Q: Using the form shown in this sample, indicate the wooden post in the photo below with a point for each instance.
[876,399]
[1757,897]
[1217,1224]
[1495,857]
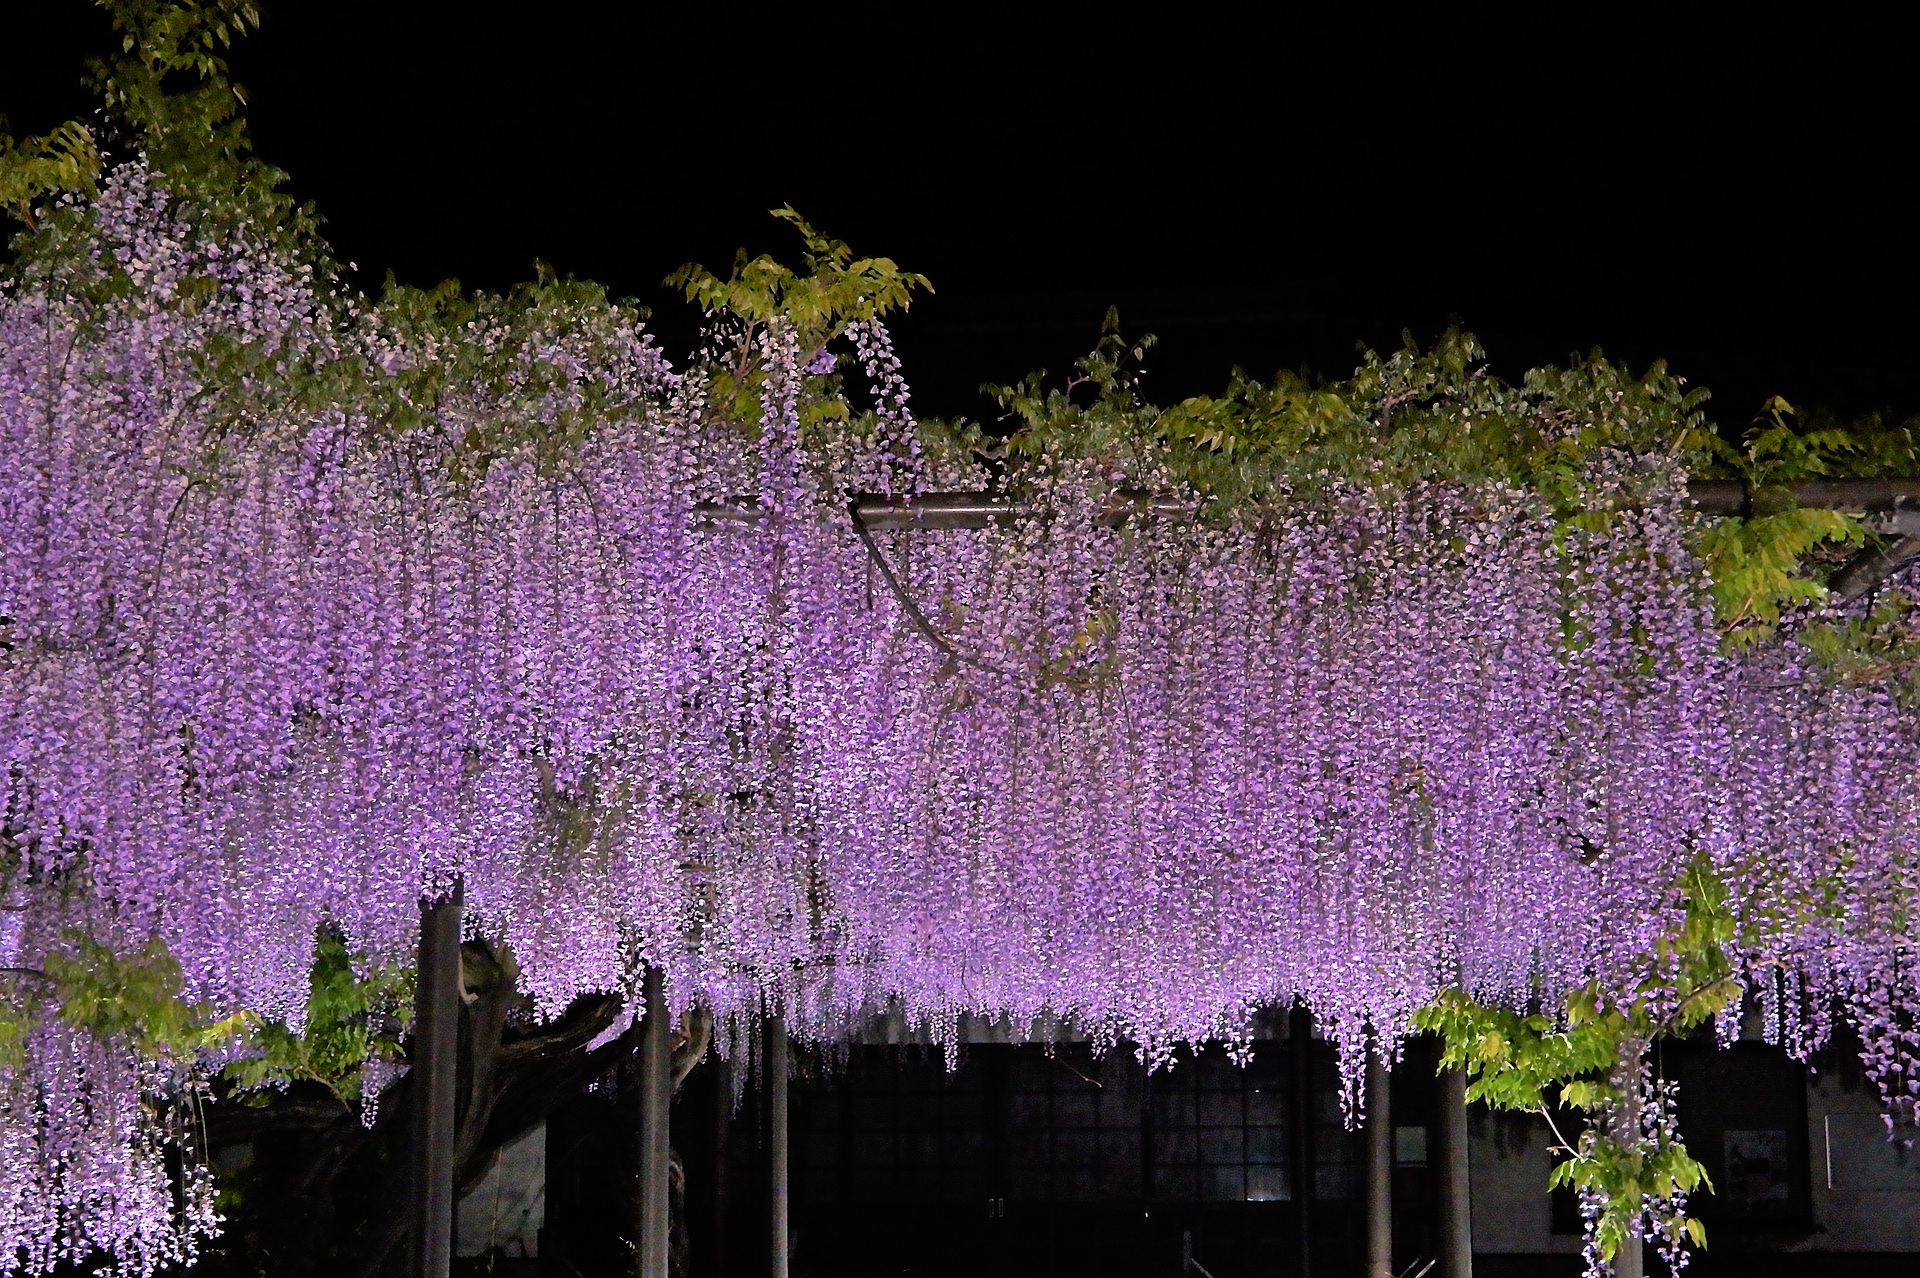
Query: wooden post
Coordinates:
[1456,1189]
[436,1056]
[651,1224]
[776,1076]
[1300,1065]
[1379,1167]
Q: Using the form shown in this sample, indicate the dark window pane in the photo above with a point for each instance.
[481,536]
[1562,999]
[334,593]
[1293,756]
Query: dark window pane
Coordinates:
[1214,1072]
[879,1184]
[1027,1109]
[1074,1148]
[1171,1110]
[1223,1184]
[1219,1109]
[920,1149]
[1027,1073]
[965,1109]
[1120,1075]
[1119,1175]
[872,1113]
[1028,1182]
[1268,1072]
[1074,1111]
[1267,1184]
[1222,1145]
[1175,1184]
[1267,1105]
[1266,1144]
[917,1184]
[963,1146]
[1175,1146]
[1074,1184]
[819,1184]
[964,1183]
[1120,1147]
[1027,1145]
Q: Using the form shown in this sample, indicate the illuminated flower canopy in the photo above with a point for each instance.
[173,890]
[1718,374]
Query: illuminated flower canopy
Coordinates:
[312,604]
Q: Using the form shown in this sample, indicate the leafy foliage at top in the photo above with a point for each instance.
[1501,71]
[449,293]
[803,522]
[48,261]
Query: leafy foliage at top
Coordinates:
[1410,416]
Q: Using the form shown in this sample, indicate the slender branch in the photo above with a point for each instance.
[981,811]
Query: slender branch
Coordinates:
[912,609]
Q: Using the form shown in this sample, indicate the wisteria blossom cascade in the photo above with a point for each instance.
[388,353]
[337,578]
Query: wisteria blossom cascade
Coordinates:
[272,662]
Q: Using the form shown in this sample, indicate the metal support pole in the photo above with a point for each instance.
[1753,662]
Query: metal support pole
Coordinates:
[656,1099]
[1456,1186]
[1631,1260]
[1300,1065]
[1379,1167]
[1629,1075]
[436,1056]
[722,1125]
[776,1076]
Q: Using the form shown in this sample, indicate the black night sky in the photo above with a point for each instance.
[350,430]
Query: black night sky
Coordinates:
[1734,194]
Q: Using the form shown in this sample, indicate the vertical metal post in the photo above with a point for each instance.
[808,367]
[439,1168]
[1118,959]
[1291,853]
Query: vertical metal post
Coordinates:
[436,1055]
[1631,1260]
[1456,1185]
[656,1100]
[1379,1167]
[722,1126]
[1300,1065]
[776,1075]
[1629,1074]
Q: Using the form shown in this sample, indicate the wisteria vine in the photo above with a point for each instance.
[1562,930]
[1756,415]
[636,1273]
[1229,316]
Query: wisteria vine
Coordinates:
[310,603]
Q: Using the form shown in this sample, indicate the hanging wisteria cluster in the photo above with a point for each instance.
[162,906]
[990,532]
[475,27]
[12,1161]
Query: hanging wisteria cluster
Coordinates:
[289,642]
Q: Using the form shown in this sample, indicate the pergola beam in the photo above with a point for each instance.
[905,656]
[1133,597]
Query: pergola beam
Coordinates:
[950,510]
[1892,505]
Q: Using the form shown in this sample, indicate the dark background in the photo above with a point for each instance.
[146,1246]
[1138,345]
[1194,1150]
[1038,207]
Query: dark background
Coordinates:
[1730,190]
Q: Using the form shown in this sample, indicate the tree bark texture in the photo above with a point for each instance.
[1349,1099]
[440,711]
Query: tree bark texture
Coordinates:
[330,1196]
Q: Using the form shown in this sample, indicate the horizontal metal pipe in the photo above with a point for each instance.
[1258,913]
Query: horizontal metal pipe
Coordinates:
[1736,497]
[986,510]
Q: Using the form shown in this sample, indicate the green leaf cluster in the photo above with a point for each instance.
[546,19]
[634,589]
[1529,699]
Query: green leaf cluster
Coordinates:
[1777,559]
[836,288]
[135,998]
[1415,415]
[63,159]
[352,1016]
[355,1012]
[1588,1058]
[816,306]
